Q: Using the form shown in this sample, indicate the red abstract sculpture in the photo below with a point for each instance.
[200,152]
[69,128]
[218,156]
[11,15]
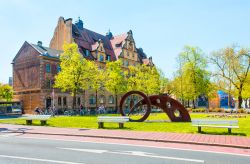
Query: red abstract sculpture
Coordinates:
[175,110]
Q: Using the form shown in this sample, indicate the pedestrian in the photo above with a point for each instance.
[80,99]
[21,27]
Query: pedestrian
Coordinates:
[37,110]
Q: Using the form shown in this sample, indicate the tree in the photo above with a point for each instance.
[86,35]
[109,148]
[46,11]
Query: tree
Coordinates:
[192,75]
[74,71]
[115,82]
[6,92]
[97,82]
[233,66]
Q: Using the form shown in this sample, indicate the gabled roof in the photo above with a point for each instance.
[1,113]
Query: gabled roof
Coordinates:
[46,51]
[88,39]
[117,43]
[43,51]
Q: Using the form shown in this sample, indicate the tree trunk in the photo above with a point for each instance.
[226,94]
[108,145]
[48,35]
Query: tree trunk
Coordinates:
[188,104]
[84,100]
[248,102]
[194,104]
[246,106]
[116,103]
[74,100]
[240,96]
[96,105]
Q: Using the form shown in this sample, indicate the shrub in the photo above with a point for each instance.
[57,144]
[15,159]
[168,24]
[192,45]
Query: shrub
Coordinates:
[241,110]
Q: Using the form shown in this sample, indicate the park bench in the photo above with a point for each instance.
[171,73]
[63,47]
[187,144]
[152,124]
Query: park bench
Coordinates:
[43,119]
[120,120]
[229,124]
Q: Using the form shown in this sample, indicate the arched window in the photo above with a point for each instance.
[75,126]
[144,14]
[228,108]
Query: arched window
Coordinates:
[101,58]
[111,99]
[92,99]
[102,99]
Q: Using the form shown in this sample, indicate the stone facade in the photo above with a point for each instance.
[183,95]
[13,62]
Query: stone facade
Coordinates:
[35,66]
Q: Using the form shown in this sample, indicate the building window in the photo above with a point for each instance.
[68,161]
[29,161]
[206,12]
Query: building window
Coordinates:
[128,54]
[48,84]
[102,99]
[78,101]
[65,101]
[58,68]
[101,58]
[48,68]
[126,63]
[111,99]
[92,100]
[59,101]
[87,53]
[133,55]
[108,57]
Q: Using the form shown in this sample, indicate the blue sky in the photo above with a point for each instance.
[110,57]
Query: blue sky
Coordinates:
[160,27]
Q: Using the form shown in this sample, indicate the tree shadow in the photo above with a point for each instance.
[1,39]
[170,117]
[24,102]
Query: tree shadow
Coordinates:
[115,128]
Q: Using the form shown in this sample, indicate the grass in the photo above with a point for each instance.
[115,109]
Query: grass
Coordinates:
[150,125]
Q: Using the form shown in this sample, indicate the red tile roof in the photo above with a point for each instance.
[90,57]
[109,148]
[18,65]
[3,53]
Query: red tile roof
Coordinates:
[88,40]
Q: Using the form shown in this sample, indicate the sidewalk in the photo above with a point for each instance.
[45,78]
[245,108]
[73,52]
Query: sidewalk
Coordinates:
[200,139]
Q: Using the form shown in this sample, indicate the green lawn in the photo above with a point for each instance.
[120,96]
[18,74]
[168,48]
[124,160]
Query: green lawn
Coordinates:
[91,122]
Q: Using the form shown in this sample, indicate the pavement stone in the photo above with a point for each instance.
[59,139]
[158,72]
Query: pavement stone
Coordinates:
[199,139]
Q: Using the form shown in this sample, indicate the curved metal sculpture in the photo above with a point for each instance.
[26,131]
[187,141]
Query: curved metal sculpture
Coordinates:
[175,110]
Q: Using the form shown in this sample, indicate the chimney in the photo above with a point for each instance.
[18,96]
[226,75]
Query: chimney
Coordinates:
[40,43]
[79,23]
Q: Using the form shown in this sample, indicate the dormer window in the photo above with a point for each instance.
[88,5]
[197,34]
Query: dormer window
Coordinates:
[58,68]
[118,44]
[108,57]
[87,53]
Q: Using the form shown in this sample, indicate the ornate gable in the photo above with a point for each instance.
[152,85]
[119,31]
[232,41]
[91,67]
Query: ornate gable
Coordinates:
[129,42]
[101,46]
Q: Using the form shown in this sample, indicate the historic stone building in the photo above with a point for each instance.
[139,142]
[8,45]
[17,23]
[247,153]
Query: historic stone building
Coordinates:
[35,65]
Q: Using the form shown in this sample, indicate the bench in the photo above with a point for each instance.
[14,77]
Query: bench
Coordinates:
[43,119]
[229,124]
[120,120]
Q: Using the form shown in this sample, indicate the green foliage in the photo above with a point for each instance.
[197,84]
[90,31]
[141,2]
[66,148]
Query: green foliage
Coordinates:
[144,78]
[115,81]
[246,88]
[6,92]
[192,78]
[115,78]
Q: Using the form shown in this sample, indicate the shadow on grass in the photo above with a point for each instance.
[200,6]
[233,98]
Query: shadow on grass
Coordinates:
[115,128]
[223,133]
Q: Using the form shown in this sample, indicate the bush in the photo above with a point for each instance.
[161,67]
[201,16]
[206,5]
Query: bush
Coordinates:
[241,110]
[199,110]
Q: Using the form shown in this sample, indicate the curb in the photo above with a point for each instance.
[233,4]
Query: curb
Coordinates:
[136,139]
